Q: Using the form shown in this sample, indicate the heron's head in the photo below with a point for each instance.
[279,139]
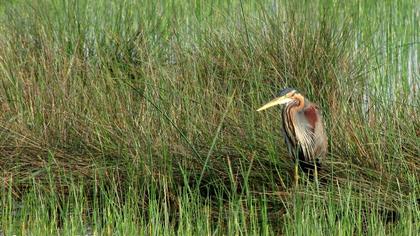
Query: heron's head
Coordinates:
[285,96]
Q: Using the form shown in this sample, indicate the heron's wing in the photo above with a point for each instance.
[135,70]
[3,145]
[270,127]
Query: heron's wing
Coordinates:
[315,128]
[310,132]
[311,116]
[321,140]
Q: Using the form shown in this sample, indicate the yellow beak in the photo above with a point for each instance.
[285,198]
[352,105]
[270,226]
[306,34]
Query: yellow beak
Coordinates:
[275,101]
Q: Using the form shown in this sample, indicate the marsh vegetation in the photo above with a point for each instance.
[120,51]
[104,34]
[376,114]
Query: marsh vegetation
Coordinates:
[138,117]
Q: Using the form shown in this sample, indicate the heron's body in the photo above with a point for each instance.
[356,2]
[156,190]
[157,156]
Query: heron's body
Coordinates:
[306,141]
[303,128]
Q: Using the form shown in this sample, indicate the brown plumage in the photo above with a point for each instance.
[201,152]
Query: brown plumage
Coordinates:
[303,128]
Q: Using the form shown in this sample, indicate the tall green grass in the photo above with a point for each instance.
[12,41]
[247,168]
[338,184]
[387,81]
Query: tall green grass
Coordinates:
[138,117]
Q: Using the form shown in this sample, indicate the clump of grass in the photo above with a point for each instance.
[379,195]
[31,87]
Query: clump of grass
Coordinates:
[119,120]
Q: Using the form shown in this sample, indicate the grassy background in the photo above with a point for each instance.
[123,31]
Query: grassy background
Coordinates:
[138,117]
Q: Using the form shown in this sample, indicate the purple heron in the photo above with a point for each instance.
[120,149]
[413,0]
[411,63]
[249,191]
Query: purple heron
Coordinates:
[303,130]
